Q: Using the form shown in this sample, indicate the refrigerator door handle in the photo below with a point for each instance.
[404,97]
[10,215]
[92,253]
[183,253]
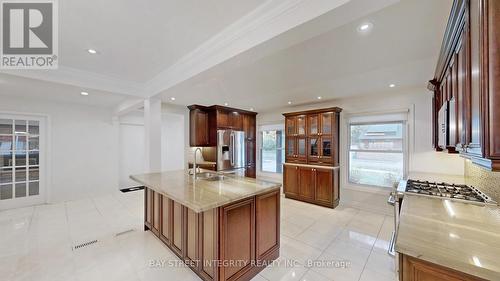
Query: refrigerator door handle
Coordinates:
[231,145]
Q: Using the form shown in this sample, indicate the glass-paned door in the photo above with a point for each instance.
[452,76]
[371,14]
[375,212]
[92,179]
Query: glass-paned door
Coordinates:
[20,165]
[301,125]
[313,125]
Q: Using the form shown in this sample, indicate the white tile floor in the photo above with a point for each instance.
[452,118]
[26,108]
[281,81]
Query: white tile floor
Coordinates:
[36,243]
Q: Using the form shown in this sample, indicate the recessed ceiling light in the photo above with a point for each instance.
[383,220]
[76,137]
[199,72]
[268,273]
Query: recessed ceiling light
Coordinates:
[392,85]
[365,27]
[172,98]
[84,93]
[92,51]
[289,102]
[226,104]
[319,98]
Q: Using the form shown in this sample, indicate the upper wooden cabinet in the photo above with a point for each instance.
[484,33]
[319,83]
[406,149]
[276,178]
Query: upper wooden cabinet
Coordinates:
[312,136]
[467,80]
[249,127]
[199,130]
[296,125]
[204,121]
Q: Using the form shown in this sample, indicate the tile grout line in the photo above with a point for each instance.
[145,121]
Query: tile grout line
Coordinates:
[371,250]
[324,250]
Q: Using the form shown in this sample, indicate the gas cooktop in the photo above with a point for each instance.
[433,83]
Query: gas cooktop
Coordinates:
[446,190]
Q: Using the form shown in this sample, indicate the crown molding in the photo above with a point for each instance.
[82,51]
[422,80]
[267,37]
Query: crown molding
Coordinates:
[267,21]
[83,79]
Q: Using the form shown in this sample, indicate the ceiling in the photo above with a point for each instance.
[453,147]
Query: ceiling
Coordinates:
[138,39]
[319,53]
[26,88]
[401,49]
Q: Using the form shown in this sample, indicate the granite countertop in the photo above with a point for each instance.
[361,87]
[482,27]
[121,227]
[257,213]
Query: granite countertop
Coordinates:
[201,195]
[460,236]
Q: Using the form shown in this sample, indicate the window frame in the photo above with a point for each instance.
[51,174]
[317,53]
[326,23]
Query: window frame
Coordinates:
[403,150]
[270,127]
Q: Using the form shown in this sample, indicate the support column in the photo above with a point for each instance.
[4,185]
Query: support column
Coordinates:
[152,129]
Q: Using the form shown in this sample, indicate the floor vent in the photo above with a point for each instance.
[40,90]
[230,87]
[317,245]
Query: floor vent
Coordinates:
[84,244]
[124,232]
[130,189]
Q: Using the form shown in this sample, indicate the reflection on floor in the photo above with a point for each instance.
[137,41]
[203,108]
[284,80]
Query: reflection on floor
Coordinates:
[317,243]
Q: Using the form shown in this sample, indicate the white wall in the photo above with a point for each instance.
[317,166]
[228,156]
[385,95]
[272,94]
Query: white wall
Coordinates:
[83,141]
[174,130]
[173,142]
[132,147]
[422,158]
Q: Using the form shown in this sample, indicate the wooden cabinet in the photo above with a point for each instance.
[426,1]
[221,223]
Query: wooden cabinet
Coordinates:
[247,230]
[307,181]
[323,188]
[267,222]
[199,129]
[467,77]
[296,149]
[165,229]
[291,180]
[315,139]
[312,184]
[312,138]
[206,120]
[229,119]
[249,127]
[296,125]
[413,269]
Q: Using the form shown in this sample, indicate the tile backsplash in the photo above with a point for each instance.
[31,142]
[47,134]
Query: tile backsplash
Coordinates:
[486,181]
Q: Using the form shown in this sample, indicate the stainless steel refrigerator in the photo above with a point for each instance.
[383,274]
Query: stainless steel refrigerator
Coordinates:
[230,150]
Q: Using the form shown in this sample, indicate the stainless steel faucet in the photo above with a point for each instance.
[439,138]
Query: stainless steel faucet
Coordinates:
[194,164]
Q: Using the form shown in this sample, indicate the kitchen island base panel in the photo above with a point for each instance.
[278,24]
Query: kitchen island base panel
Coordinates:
[232,242]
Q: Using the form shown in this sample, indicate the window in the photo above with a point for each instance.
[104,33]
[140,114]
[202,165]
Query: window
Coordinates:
[19,158]
[377,153]
[272,152]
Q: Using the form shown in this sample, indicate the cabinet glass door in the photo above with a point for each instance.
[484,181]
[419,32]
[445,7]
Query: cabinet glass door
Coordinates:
[313,152]
[301,125]
[290,147]
[326,123]
[301,148]
[326,150]
[290,126]
[312,124]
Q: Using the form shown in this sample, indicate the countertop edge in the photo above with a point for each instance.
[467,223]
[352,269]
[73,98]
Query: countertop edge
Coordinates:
[198,209]
[466,268]
[312,166]
[484,273]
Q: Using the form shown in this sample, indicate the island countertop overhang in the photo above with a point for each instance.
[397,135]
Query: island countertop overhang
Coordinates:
[202,195]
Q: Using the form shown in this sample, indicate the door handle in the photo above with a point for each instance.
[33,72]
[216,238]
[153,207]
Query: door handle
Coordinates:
[232,149]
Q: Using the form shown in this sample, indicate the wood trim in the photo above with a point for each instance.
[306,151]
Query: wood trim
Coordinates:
[492,76]
[313,111]
[413,269]
[220,107]
[450,39]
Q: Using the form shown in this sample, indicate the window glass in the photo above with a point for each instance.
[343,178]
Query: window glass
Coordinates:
[272,151]
[376,154]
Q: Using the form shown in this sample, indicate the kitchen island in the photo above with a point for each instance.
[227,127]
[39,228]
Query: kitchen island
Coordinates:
[223,228]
